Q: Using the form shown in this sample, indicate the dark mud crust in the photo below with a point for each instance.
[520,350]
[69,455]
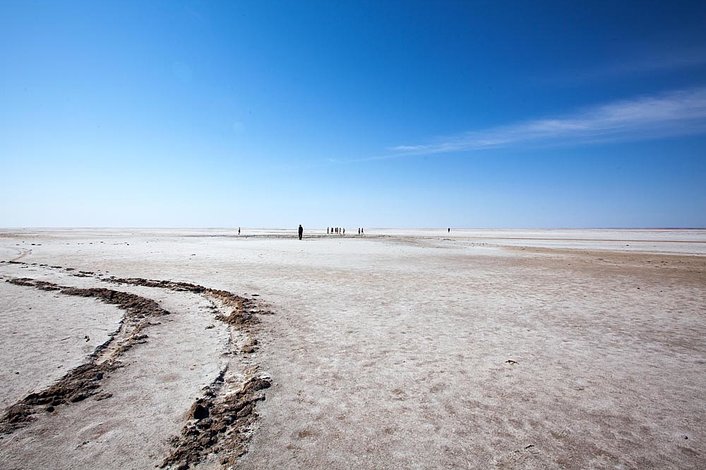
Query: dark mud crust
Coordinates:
[242,315]
[77,385]
[85,380]
[244,309]
[219,424]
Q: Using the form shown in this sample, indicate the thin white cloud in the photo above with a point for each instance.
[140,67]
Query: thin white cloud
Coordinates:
[637,64]
[671,114]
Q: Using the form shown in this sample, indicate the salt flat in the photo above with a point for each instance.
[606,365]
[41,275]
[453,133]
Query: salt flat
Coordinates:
[399,349]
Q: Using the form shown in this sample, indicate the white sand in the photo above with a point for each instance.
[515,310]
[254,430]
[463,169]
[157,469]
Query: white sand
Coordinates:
[390,350]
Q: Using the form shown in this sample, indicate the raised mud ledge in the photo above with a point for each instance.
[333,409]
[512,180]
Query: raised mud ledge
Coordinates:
[220,421]
[84,380]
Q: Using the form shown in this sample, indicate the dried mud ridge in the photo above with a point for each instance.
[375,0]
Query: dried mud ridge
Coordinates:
[219,424]
[244,309]
[220,421]
[85,380]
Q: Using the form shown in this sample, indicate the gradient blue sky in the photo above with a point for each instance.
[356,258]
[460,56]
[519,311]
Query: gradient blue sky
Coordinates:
[379,113]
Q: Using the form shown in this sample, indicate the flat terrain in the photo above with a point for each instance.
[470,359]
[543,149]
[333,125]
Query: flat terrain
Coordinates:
[399,349]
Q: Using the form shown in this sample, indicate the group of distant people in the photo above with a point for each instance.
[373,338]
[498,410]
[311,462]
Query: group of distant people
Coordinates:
[341,231]
[335,231]
[329,231]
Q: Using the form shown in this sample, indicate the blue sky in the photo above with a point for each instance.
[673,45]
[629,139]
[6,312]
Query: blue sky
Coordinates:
[377,114]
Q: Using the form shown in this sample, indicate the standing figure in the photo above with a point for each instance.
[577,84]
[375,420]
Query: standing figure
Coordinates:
[301,231]
[238,231]
[448,230]
[344,231]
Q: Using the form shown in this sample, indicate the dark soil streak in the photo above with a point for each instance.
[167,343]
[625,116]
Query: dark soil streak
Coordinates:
[219,423]
[244,309]
[84,380]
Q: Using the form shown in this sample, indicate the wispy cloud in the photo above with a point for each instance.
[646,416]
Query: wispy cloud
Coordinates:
[648,117]
[647,63]
[667,63]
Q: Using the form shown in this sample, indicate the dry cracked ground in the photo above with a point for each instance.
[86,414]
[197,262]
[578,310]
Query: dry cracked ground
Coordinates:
[200,349]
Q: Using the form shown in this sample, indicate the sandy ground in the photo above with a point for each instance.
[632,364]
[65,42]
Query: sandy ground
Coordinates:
[400,349]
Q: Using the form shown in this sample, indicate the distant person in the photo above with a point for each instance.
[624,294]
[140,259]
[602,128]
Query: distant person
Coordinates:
[358,230]
[344,231]
[301,231]
[238,231]
[448,230]
[362,232]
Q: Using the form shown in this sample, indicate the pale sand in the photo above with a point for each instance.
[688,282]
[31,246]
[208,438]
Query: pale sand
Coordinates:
[385,351]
